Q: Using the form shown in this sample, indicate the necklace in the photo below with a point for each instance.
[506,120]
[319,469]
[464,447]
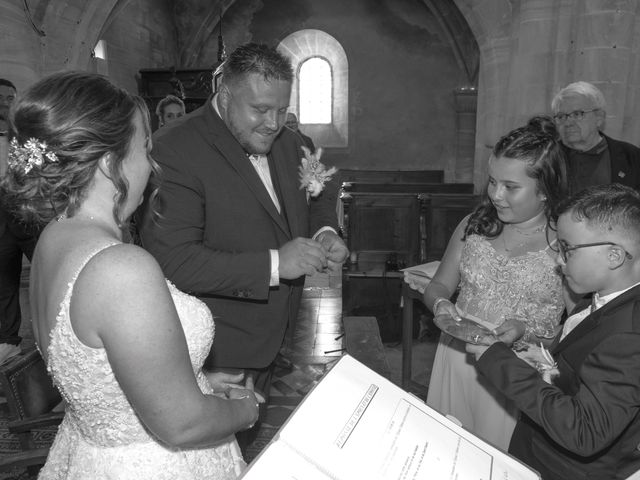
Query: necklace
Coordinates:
[63,216]
[526,235]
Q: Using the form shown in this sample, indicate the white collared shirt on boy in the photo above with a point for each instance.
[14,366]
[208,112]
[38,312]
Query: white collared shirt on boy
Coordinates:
[597,302]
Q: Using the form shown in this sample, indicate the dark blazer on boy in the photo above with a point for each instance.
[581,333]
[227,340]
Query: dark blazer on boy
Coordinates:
[587,424]
[217,225]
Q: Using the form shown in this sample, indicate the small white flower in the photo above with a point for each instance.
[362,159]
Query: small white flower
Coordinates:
[29,155]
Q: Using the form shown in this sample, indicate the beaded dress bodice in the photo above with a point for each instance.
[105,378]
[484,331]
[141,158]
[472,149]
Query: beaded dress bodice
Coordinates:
[495,287]
[101,435]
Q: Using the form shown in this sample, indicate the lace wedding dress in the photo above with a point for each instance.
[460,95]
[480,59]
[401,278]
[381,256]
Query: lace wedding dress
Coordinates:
[493,287]
[101,437]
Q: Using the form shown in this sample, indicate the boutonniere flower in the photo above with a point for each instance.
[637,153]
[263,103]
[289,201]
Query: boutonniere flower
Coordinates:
[313,173]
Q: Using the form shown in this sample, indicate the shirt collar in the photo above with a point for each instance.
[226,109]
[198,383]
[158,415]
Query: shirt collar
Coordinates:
[600,301]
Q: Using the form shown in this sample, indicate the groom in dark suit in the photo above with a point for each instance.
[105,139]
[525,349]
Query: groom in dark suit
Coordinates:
[235,228]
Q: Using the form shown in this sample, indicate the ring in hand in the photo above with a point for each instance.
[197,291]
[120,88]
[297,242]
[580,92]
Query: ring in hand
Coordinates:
[475,339]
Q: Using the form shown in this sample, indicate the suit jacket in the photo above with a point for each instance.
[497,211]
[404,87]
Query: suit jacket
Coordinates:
[217,225]
[625,162]
[587,424]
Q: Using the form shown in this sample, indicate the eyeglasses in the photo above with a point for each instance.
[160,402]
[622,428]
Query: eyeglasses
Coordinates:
[575,115]
[564,248]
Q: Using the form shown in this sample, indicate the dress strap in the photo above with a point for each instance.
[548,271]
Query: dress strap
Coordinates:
[63,309]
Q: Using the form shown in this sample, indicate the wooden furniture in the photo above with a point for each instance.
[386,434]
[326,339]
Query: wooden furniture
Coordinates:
[363,342]
[31,398]
[409,295]
[383,226]
[391,176]
[192,85]
[411,227]
[367,268]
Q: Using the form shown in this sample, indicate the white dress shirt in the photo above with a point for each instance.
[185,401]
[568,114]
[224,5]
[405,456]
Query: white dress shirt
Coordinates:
[597,302]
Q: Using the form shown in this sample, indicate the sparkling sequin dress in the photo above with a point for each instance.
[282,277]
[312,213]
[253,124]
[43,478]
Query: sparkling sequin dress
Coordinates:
[493,287]
[101,437]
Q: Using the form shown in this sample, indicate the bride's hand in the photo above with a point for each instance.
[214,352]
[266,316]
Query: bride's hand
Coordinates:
[248,384]
[222,382]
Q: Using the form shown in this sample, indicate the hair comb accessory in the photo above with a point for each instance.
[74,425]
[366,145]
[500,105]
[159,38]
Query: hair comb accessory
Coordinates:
[29,155]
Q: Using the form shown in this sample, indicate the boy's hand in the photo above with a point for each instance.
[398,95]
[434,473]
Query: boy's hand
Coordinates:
[510,331]
[477,350]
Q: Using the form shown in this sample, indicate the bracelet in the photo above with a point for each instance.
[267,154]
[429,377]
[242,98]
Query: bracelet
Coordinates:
[438,301]
[257,408]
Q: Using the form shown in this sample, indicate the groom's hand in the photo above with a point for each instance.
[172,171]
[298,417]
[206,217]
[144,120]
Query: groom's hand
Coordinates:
[337,251]
[301,256]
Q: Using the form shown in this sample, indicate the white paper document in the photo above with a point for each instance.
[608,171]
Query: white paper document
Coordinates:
[355,424]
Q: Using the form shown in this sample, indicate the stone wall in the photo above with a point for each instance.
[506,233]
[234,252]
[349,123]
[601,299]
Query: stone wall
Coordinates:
[529,49]
[138,34]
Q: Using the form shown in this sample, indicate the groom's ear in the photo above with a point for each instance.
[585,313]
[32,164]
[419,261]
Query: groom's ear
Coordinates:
[224,95]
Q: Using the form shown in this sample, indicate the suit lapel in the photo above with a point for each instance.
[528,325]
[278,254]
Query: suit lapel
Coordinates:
[593,320]
[620,168]
[218,136]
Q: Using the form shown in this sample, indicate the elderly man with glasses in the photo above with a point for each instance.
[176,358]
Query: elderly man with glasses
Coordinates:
[592,157]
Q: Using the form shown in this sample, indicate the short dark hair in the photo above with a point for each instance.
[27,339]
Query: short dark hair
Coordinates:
[7,83]
[257,58]
[606,207]
[538,145]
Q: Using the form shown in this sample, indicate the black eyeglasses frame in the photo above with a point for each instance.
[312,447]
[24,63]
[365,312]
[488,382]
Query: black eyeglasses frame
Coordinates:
[564,248]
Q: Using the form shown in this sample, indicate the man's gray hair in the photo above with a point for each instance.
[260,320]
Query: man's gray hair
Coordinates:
[584,89]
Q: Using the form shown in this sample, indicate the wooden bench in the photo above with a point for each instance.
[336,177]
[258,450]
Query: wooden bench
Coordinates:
[363,342]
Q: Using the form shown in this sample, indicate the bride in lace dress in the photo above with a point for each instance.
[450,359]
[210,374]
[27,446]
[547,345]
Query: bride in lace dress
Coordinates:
[501,259]
[123,345]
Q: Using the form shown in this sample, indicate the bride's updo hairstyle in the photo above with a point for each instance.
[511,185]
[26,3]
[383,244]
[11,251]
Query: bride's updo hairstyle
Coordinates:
[538,145]
[63,125]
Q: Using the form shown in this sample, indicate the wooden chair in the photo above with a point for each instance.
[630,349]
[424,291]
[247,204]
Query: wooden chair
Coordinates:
[33,402]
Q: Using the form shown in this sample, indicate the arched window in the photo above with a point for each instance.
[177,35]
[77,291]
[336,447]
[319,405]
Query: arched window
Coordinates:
[314,87]
[320,93]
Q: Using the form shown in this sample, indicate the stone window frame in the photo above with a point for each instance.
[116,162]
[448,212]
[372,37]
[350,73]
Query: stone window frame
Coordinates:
[308,43]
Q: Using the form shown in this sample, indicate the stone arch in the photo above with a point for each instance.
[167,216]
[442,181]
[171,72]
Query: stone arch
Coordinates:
[72,29]
[304,44]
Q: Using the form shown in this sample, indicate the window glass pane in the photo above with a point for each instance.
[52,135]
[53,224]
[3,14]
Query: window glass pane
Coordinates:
[315,91]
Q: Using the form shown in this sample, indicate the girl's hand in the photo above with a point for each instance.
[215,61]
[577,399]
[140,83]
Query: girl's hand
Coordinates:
[442,306]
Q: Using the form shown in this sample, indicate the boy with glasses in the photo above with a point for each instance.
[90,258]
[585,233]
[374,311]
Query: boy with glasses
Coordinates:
[586,423]
[592,157]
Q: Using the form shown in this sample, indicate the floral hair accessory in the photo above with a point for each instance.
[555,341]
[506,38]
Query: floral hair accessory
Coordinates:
[313,173]
[31,154]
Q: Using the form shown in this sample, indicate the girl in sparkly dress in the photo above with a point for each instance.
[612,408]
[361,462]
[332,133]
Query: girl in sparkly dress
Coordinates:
[501,259]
